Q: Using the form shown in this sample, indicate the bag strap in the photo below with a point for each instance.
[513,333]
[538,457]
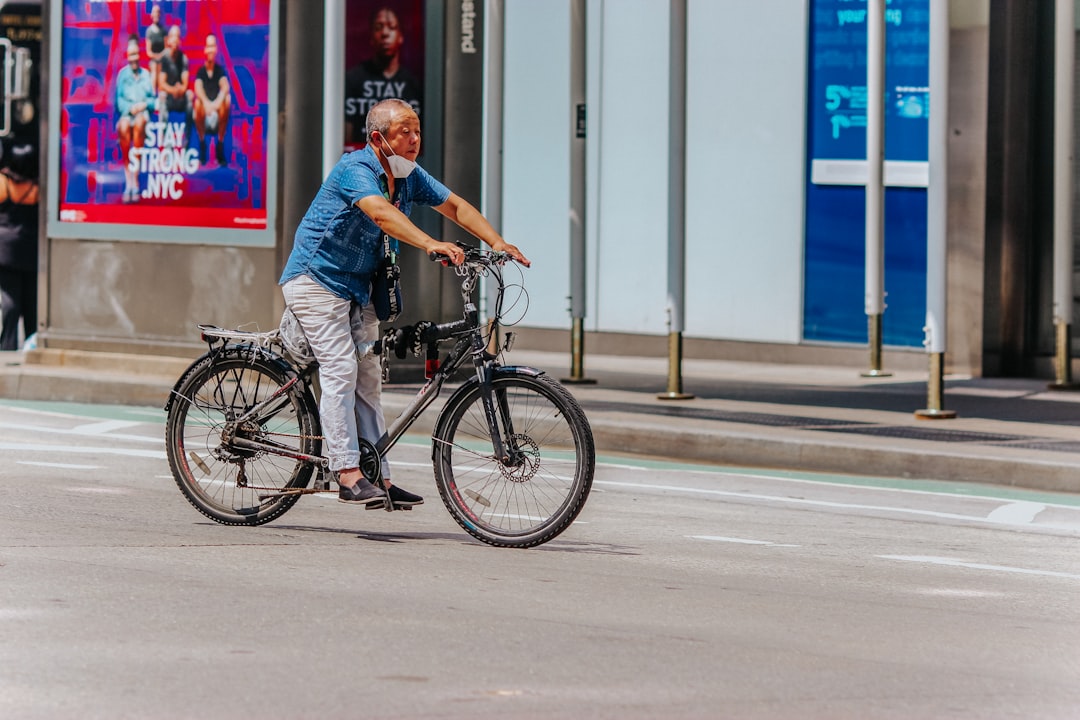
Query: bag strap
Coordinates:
[389,252]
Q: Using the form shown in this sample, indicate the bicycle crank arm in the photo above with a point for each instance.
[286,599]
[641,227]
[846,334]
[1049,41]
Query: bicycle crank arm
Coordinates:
[292,491]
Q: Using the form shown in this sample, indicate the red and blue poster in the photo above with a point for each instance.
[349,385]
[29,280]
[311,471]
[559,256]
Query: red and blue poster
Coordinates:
[165,112]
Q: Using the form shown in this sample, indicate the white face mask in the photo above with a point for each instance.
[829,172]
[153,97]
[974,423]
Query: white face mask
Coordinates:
[399,167]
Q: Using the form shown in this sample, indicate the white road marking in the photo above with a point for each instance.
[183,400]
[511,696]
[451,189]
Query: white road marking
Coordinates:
[824,483]
[66,466]
[741,541]
[1017,513]
[958,593]
[90,430]
[816,503]
[46,449]
[105,426]
[952,562]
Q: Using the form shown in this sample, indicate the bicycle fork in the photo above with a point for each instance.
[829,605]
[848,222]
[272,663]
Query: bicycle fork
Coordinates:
[500,423]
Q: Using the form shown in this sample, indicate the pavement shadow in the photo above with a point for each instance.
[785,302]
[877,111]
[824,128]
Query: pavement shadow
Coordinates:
[990,399]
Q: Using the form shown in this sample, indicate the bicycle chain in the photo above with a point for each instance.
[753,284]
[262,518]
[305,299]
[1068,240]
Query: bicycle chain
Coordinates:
[302,437]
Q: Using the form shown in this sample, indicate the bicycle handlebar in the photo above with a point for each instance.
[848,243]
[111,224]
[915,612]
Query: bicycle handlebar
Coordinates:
[473,257]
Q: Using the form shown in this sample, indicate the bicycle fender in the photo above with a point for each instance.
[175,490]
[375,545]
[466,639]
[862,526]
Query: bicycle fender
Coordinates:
[183,376]
[517,370]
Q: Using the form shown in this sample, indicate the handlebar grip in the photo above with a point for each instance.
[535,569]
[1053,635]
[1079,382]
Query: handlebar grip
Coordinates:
[433,333]
[470,254]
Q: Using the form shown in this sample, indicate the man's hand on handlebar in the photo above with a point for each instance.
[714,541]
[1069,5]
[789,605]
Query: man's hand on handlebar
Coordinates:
[444,250]
[512,251]
[456,253]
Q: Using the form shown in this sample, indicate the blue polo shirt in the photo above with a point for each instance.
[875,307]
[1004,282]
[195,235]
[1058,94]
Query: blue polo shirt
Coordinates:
[339,246]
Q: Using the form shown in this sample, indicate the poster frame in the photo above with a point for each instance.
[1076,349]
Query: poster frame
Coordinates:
[171,234]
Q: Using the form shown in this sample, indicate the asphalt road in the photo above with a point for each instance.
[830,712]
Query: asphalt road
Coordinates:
[681,592]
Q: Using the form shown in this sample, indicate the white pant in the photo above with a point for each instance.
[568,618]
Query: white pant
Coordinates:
[341,335]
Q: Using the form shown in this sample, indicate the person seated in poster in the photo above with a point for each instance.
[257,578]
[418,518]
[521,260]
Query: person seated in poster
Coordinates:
[173,93]
[378,78]
[155,43]
[213,99]
[134,101]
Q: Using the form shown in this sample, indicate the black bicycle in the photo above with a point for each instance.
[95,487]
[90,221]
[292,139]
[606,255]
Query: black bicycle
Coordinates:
[512,450]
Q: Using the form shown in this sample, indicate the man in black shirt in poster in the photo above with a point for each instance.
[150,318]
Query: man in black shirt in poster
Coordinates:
[379,78]
[173,93]
[155,43]
[213,99]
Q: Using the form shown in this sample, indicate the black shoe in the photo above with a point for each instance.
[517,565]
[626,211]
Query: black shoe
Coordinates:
[403,498]
[202,152]
[219,151]
[362,493]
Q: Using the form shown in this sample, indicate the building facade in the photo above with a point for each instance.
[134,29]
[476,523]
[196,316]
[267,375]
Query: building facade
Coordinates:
[775,105]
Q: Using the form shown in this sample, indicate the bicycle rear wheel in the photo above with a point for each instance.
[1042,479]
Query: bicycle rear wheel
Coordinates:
[535,496]
[225,482]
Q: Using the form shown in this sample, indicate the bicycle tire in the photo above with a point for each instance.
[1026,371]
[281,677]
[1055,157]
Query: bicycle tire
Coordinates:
[221,386]
[521,506]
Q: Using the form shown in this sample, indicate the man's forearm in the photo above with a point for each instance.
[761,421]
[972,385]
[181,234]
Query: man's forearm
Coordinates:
[470,219]
[394,223]
[405,231]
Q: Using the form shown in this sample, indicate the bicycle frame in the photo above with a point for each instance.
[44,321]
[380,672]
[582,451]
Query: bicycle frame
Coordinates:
[470,343]
[484,354]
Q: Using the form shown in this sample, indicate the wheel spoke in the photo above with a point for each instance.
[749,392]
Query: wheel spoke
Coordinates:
[538,493]
[223,480]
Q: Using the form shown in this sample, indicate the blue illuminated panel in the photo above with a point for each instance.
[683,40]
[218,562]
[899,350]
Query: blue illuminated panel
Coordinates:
[833,308]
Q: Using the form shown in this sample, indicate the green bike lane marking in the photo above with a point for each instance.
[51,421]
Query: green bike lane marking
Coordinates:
[132,413]
[156,415]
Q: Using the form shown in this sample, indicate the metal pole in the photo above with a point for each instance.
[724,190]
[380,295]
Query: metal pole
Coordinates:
[577,192]
[676,199]
[303,44]
[491,181]
[937,205]
[333,83]
[1064,41]
[875,187]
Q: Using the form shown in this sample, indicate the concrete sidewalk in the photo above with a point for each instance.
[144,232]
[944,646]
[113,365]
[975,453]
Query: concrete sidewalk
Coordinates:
[829,419]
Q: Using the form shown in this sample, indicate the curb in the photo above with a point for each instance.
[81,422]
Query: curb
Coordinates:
[134,380]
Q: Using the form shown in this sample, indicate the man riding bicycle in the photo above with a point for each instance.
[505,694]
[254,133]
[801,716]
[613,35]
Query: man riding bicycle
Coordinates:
[327,281]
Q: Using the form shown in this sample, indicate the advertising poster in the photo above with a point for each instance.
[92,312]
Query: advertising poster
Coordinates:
[834,289]
[165,112]
[384,58]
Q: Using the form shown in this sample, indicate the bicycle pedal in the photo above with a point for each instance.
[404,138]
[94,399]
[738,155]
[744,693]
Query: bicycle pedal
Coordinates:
[376,505]
[389,508]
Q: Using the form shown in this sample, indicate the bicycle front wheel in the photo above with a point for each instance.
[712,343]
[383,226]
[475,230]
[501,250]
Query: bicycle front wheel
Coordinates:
[232,485]
[538,491]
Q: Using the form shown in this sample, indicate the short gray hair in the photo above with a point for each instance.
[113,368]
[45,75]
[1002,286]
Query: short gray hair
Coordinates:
[381,115]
